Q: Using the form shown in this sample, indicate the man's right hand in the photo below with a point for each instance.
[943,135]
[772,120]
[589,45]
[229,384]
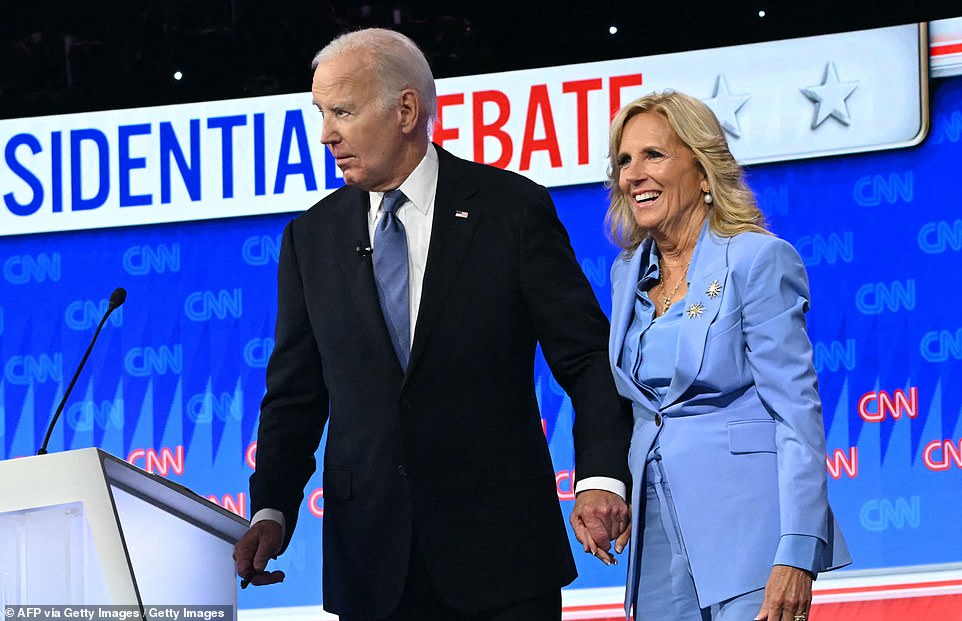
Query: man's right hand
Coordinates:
[258,545]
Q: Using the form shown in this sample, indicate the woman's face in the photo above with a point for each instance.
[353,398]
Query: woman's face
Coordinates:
[658,174]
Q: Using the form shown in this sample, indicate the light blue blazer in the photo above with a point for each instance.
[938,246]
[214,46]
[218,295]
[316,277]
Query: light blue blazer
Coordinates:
[742,438]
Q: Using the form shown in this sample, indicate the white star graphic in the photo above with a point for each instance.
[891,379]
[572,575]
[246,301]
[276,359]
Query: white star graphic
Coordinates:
[726,106]
[830,96]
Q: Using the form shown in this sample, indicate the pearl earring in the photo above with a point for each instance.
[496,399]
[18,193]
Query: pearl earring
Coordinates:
[708,198]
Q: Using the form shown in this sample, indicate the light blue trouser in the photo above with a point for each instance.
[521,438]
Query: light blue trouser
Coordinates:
[666,589]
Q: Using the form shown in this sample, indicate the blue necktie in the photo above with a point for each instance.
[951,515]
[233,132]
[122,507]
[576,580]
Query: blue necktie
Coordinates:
[391,274]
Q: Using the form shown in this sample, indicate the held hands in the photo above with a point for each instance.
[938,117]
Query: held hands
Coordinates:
[261,542]
[598,517]
[788,595]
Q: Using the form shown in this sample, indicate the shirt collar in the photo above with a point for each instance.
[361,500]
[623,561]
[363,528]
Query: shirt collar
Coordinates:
[420,186]
[650,261]
[651,257]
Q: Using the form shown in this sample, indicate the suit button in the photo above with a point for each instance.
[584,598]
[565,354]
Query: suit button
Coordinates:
[405,405]
[402,471]
[657,420]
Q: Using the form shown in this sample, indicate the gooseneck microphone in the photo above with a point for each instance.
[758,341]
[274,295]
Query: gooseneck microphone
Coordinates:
[116,299]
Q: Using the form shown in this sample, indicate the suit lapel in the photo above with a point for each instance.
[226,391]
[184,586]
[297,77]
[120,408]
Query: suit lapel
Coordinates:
[352,230]
[457,209]
[709,264]
[624,284]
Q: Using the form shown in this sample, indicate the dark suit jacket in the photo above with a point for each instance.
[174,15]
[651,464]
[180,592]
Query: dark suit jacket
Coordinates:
[453,449]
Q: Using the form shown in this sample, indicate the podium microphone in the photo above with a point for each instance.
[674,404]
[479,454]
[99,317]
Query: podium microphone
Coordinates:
[116,299]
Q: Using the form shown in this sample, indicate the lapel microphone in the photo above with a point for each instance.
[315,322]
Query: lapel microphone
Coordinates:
[362,251]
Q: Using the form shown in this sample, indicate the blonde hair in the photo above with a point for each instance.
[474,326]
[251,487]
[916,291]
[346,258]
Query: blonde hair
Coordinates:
[396,62]
[733,210]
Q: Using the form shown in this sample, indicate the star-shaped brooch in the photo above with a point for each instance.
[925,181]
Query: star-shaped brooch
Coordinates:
[714,289]
[695,310]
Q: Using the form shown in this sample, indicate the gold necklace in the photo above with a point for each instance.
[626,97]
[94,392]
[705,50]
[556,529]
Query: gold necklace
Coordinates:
[667,299]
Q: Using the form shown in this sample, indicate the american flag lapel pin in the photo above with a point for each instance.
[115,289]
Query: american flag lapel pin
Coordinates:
[460,214]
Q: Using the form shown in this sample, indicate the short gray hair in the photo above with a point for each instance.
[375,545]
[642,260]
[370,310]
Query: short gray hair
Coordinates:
[398,63]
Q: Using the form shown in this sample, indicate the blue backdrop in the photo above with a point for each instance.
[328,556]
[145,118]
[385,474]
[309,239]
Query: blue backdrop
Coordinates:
[175,382]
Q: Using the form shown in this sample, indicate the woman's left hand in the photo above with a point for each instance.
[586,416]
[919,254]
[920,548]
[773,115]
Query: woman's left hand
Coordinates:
[788,595]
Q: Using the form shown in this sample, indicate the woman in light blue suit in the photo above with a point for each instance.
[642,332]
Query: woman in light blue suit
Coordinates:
[730,508]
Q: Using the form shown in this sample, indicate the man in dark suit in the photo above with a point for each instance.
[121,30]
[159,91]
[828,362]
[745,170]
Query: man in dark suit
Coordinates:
[410,303]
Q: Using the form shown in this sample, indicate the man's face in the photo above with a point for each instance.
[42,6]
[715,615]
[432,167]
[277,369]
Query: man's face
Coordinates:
[363,135]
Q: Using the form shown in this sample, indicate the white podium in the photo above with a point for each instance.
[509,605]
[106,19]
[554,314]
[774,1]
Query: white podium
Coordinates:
[86,528]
